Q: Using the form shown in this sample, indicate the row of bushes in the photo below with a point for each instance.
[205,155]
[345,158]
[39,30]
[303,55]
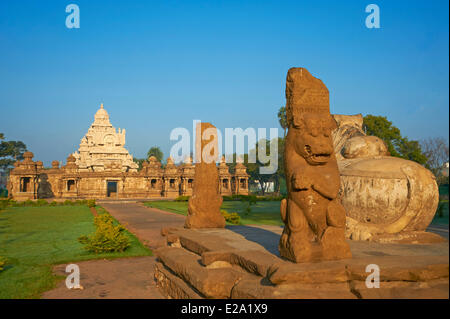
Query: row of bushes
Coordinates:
[42,202]
[249,198]
[109,236]
[182,199]
[252,198]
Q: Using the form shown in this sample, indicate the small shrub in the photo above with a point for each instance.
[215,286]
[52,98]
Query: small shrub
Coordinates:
[41,202]
[28,203]
[2,262]
[90,203]
[181,199]
[68,202]
[54,203]
[107,237]
[232,218]
[13,203]
[82,202]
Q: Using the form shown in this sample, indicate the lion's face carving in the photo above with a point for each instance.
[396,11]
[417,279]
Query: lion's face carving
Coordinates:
[312,137]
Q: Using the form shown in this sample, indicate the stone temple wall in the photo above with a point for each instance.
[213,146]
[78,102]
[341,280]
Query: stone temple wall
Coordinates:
[103,168]
[30,180]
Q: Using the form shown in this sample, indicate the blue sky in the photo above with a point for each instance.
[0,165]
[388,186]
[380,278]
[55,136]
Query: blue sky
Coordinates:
[157,65]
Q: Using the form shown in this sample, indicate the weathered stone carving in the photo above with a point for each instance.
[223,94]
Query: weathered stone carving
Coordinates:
[313,215]
[350,141]
[387,199]
[204,205]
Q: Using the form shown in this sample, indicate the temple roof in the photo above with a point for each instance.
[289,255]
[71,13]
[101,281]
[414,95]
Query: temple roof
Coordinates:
[101,118]
[102,145]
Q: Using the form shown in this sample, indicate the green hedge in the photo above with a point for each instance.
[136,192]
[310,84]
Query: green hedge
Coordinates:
[108,237]
[252,198]
[182,199]
[42,202]
[232,218]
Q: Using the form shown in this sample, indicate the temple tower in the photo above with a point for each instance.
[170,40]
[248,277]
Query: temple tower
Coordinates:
[102,147]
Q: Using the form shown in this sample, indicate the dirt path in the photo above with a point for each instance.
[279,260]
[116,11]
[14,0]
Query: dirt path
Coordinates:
[123,277]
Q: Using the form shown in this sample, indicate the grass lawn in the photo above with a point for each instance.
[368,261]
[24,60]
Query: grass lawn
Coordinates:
[35,238]
[262,213]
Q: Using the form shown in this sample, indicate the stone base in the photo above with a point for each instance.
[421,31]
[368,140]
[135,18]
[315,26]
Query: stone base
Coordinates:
[413,237]
[219,263]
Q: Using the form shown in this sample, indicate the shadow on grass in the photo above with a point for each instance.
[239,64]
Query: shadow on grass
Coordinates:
[265,238]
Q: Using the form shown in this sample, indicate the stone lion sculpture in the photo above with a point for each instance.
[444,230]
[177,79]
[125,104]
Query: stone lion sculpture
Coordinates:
[313,215]
[387,199]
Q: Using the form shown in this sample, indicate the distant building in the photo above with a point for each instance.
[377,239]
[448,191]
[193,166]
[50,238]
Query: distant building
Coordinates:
[269,186]
[103,168]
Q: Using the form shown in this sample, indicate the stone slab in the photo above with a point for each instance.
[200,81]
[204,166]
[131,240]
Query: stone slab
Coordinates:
[392,268]
[435,289]
[212,283]
[173,286]
[254,289]
[406,270]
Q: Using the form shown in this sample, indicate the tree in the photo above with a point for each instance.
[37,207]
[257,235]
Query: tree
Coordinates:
[278,176]
[156,152]
[139,161]
[397,145]
[283,119]
[412,151]
[253,169]
[10,152]
[381,127]
[436,150]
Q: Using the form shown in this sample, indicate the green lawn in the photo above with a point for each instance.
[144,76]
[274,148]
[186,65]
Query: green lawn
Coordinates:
[262,213]
[35,238]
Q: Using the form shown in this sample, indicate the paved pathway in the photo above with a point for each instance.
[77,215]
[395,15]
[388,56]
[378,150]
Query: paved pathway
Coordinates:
[123,277]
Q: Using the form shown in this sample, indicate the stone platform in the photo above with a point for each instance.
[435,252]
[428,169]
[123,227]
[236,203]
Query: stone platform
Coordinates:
[242,262]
